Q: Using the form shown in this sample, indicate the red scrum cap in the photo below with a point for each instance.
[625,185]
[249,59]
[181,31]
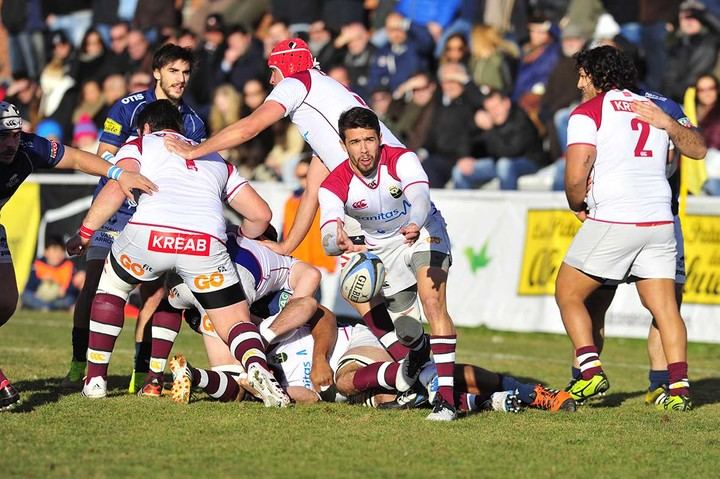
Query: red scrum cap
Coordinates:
[291,56]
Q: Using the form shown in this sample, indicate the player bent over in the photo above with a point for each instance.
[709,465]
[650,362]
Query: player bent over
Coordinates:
[386,190]
[20,155]
[182,229]
[628,228]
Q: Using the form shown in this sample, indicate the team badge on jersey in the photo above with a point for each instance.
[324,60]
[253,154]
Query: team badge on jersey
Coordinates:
[395,192]
[112,127]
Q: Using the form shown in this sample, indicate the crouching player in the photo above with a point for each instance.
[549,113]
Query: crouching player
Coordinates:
[182,228]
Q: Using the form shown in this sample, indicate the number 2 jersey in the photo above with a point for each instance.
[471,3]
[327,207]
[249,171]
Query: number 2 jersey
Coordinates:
[191,192]
[314,102]
[628,176]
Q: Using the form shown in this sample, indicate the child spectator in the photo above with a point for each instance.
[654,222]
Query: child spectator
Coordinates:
[54,282]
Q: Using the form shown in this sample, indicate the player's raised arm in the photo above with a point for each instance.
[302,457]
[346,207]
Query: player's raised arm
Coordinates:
[94,165]
[232,135]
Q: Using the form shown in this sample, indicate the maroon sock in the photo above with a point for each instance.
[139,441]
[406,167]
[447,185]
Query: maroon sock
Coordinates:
[379,322]
[166,323]
[386,375]
[219,385]
[106,321]
[589,361]
[679,384]
[443,349]
[246,345]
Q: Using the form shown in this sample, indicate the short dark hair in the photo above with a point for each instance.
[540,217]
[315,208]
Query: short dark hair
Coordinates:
[161,115]
[55,240]
[170,53]
[608,68]
[358,117]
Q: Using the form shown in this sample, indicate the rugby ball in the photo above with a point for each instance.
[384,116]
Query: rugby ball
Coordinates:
[362,277]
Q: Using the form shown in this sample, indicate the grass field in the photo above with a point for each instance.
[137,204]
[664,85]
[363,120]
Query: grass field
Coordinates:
[125,436]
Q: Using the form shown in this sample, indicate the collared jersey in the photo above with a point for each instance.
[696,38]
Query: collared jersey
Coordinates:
[191,192]
[33,153]
[314,103]
[628,176]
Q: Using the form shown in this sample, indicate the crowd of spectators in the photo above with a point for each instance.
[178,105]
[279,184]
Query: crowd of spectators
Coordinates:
[481,89]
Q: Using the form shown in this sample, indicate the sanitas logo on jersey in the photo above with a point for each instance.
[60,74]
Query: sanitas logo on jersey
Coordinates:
[386,215]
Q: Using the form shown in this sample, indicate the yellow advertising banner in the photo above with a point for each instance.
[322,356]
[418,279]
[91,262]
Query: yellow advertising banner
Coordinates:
[702,259]
[21,218]
[547,237]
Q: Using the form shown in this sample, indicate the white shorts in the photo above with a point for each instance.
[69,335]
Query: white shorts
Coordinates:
[349,338]
[4,249]
[618,251]
[200,259]
[396,255]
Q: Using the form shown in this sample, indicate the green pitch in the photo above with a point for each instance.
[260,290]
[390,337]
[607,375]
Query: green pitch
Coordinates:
[125,436]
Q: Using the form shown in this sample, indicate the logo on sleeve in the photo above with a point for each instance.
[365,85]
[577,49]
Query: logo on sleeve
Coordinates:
[53,149]
[395,192]
[112,127]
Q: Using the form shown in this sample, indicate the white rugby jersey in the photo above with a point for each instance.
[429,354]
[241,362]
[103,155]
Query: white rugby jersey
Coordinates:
[314,102]
[379,205]
[628,176]
[270,271]
[190,192]
[291,358]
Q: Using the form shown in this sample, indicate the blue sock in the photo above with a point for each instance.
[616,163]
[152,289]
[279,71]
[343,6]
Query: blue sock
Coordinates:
[576,374]
[658,378]
[525,392]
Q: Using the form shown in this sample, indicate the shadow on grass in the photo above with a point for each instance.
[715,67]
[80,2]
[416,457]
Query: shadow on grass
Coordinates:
[705,391]
[41,392]
[616,399]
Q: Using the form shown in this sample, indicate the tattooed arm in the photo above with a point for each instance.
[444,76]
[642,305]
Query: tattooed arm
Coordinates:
[580,158]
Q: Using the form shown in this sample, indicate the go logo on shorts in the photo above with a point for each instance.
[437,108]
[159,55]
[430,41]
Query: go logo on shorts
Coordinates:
[136,268]
[205,281]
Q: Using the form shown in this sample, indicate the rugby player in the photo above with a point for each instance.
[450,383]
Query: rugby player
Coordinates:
[20,155]
[172,66]
[628,228]
[181,228]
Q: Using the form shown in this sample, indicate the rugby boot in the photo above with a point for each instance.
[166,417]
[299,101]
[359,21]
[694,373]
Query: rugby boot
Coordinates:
[666,402]
[95,388]
[73,381]
[552,399]
[151,389]
[583,389]
[651,396]
[182,379]
[9,396]
[265,384]
[416,360]
[504,401]
[442,410]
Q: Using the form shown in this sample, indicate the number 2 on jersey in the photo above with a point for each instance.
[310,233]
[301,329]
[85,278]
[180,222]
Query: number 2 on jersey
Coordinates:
[640,151]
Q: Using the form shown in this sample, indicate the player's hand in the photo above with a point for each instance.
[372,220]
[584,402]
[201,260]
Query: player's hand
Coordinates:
[411,232]
[649,112]
[343,241]
[278,247]
[321,375]
[77,245]
[466,165]
[130,180]
[180,147]
[581,215]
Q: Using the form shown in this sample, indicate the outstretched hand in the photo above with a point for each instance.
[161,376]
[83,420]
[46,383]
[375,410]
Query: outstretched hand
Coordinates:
[77,245]
[180,147]
[130,180]
[344,242]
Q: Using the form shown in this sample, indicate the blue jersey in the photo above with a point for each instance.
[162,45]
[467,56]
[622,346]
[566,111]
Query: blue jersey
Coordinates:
[675,111]
[33,153]
[120,125]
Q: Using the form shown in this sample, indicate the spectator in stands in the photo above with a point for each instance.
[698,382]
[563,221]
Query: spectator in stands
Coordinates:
[511,144]
[493,59]
[155,17]
[118,60]
[52,285]
[242,60]
[50,130]
[276,32]
[340,74]
[296,15]
[287,150]
[139,52]
[59,92]
[73,17]
[655,15]
[354,40]
[25,94]
[708,117]
[412,110]
[187,39]
[225,110]
[408,51]
[85,134]
[380,101]
[105,15]
[91,104]
[539,56]
[321,45]
[209,56]
[449,137]
[139,81]
[113,89]
[91,58]
[434,16]
[254,152]
[456,50]
[25,26]
[694,49]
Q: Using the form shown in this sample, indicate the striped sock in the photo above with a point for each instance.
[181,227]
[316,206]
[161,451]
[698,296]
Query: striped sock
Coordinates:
[443,349]
[379,322]
[246,345]
[467,402]
[106,321]
[166,323]
[679,384]
[589,361]
[219,385]
[388,375]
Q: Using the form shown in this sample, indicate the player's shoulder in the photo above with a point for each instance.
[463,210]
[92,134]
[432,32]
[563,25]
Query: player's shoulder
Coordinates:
[589,106]
[37,146]
[133,99]
[338,181]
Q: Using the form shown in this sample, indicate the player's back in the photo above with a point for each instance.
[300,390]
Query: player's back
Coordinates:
[314,102]
[190,192]
[628,176]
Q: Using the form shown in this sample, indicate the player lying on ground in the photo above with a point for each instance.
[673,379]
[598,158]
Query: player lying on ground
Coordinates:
[20,155]
[181,228]
[362,370]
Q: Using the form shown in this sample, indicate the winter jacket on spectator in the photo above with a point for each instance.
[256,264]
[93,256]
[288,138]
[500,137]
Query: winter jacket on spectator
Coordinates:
[535,68]
[393,64]
[517,137]
[423,12]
